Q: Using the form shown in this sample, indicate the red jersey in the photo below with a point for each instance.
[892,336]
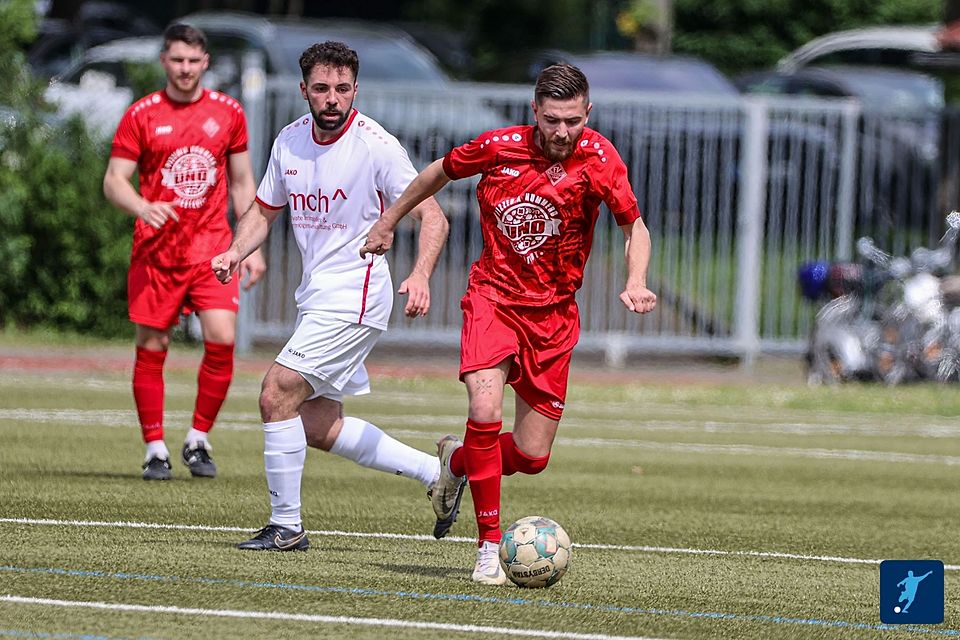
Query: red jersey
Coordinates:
[181,153]
[537,216]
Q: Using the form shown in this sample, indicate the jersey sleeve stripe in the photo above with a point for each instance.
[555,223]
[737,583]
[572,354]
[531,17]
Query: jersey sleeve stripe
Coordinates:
[267,205]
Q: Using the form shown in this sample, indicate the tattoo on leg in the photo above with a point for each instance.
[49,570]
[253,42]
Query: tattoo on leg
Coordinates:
[484,386]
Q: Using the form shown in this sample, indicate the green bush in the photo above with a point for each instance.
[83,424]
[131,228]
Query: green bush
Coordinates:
[65,248]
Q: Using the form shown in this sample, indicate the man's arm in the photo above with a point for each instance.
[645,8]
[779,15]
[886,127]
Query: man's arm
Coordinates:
[250,233]
[243,192]
[119,190]
[427,183]
[636,297]
[433,233]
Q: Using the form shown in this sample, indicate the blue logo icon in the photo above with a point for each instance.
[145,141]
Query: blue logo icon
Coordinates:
[911,592]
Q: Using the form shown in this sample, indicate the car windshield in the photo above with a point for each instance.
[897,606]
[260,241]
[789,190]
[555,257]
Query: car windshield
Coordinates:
[643,73]
[381,58]
[901,90]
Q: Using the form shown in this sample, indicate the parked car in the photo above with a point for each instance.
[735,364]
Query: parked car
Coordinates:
[387,57]
[892,46]
[916,97]
[61,43]
[675,74]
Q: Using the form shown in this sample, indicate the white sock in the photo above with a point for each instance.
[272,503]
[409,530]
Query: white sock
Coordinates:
[157,449]
[284,451]
[370,447]
[195,435]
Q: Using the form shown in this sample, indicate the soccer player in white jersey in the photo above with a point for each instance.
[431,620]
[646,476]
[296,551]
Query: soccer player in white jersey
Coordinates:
[336,169]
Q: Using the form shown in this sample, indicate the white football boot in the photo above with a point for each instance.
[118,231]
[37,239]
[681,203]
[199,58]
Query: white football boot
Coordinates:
[488,569]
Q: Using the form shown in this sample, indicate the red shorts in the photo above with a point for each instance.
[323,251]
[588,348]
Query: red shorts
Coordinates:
[540,340]
[156,296]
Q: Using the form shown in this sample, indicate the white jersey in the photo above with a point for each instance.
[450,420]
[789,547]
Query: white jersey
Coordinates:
[336,190]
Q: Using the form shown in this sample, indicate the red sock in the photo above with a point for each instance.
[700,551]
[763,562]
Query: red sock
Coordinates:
[481,451]
[512,459]
[515,460]
[148,392]
[213,381]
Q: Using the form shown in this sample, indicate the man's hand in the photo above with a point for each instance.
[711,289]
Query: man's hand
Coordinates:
[379,239]
[225,265]
[638,298]
[156,214]
[251,269]
[417,286]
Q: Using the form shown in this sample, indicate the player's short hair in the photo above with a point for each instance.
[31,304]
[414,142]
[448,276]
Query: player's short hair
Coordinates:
[561,82]
[178,32]
[329,54]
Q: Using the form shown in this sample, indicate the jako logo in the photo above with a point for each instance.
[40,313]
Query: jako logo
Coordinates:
[510,172]
[164,130]
[290,172]
[319,201]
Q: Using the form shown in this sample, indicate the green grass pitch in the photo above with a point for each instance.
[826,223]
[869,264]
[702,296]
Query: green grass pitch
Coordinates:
[748,509]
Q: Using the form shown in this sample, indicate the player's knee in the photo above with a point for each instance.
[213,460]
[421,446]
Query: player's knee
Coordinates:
[274,403]
[486,412]
[532,466]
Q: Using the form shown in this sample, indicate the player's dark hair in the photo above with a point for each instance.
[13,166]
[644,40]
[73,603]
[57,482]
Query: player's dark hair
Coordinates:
[329,54]
[561,82]
[178,32]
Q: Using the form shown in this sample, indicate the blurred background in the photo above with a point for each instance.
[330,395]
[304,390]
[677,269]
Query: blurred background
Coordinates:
[758,135]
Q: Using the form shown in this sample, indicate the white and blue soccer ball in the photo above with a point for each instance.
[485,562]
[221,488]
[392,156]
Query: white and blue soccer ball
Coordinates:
[535,552]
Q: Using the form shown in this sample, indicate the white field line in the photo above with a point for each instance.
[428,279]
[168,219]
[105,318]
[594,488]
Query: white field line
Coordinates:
[461,539]
[122,418]
[577,409]
[305,617]
[244,421]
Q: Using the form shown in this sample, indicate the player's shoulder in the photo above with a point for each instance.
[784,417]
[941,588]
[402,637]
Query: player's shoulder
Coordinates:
[369,130]
[506,137]
[295,129]
[221,101]
[151,102]
[594,146]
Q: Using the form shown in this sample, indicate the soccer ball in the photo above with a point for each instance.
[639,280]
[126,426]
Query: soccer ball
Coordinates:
[535,552]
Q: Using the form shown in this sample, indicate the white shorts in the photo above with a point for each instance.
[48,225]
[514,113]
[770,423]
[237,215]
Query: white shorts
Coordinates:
[329,354]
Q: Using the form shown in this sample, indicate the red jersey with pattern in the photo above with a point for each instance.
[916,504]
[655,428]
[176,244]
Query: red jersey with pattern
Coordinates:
[537,216]
[181,151]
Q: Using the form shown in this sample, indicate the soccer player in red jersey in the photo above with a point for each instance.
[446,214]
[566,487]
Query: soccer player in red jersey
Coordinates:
[540,195]
[189,145]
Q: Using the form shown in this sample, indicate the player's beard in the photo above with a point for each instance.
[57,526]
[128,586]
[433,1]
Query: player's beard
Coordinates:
[554,149]
[330,125]
[186,83]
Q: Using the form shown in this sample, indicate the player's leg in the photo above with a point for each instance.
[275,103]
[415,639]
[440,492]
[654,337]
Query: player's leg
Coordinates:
[148,394]
[364,443]
[541,390]
[331,356]
[284,452]
[154,298]
[216,305]
[527,449]
[481,457]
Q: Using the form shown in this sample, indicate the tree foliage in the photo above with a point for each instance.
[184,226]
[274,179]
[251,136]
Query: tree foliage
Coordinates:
[742,34]
[64,248]
[734,34]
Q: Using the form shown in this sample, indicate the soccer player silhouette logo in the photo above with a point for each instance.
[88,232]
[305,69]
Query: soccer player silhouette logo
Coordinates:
[909,592]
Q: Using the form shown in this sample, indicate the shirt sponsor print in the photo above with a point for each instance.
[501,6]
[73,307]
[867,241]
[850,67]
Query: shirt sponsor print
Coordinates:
[190,172]
[527,222]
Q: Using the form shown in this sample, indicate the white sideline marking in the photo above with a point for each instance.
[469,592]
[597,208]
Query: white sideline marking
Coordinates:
[422,537]
[250,421]
[305,617]
[238,422]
